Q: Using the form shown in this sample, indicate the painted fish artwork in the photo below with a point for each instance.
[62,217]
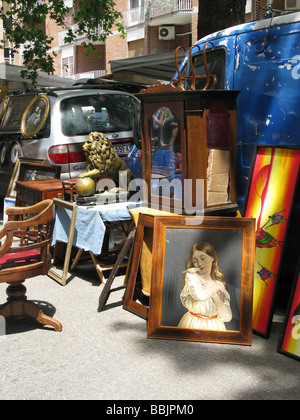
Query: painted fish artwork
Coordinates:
[270,199]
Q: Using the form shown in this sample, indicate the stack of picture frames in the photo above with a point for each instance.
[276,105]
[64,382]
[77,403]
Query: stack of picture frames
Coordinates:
[221,267]
[270,200]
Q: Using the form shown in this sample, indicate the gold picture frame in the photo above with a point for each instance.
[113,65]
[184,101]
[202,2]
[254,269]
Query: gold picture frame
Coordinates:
[35,115]
[3,105]
[134,299]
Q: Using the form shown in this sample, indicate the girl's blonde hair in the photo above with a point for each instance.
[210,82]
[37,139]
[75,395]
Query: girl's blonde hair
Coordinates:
[207,248]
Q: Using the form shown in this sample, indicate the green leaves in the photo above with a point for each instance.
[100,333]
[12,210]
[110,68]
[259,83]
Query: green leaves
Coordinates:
[93,19]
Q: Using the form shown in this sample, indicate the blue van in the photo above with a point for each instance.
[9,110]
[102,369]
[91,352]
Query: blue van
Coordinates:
[261,59]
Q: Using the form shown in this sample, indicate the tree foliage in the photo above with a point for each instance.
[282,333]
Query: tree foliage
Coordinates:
[93,19]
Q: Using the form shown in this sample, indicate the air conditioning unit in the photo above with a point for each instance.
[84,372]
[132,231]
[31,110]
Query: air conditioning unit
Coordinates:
[166,33]
[292,5]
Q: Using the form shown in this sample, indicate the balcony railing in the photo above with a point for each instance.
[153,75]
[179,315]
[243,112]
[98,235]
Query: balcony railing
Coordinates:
[134,16]
[138,15]
[170,6]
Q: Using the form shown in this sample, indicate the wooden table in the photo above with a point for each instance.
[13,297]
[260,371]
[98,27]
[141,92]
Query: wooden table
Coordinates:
[31,192]
[87,229]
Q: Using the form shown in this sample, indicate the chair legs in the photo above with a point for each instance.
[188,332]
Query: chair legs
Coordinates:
[18,307]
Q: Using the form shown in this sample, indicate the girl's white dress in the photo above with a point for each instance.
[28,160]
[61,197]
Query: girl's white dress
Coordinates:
[202,314]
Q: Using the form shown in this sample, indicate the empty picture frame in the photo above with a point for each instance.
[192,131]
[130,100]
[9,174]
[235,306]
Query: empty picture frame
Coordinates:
[136,300]
[62,277]
[269,199]
[190,299]
[11,190]
[289,342]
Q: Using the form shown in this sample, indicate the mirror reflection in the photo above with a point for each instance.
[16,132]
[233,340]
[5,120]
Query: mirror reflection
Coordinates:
[165,145]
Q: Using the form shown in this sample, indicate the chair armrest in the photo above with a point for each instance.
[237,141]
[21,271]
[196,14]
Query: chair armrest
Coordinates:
[35,208]
[44,210]
[8,241]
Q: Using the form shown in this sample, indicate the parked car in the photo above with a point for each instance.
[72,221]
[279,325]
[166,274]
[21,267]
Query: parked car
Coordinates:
[54,123]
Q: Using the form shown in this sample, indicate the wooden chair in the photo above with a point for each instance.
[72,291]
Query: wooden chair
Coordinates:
[24,253]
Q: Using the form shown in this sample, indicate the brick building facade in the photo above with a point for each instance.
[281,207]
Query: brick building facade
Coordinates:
[151,26]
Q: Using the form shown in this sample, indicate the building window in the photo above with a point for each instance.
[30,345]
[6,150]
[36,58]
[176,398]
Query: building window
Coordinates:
[135,3]
[248,6]
[136,13]
[68,3]
[67,66]
[67,61]
[9,55]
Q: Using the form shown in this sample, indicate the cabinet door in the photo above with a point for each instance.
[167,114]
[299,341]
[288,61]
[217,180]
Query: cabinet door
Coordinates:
[164,151]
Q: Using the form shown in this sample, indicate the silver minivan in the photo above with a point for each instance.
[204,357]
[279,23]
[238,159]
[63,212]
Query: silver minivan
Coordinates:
[54,123]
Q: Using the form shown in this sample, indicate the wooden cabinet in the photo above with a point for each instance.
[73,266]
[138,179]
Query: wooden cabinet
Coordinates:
[31,192]
[188,136]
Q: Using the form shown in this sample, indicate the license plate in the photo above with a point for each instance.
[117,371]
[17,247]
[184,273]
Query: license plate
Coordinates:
[122,149]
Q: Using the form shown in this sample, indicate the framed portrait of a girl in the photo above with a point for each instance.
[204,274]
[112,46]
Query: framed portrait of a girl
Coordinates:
[202,279]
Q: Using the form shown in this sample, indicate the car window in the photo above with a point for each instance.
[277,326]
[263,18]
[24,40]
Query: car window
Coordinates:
[216,62]
[105,113]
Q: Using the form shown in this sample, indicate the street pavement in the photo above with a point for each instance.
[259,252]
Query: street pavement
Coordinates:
[107,356]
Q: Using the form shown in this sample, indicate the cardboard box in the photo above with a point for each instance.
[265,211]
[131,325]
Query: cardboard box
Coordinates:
[218,168]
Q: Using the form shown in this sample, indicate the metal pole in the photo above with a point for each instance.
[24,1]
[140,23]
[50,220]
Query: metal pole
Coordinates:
[269,9]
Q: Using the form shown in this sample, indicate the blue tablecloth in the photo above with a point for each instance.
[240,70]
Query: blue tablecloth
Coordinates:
[89,227]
